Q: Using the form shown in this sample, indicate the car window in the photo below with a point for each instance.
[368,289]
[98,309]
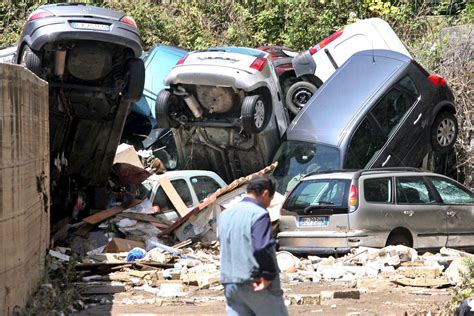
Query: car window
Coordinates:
[204,186]
[162,200]
[450,192]
[364,144]
[324,193]
[413,190]
[378,190]
[390,110]
[297,158]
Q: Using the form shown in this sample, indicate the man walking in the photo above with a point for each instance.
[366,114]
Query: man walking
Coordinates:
[249,270]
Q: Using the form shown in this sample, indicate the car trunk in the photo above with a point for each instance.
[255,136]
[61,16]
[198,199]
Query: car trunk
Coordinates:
[315,217]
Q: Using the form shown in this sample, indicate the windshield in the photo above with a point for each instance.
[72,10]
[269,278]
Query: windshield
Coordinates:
[296,159]
[312,195]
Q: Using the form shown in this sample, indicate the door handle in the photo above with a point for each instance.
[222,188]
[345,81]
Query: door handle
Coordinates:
[451,213]
[417,119]
[386,160]
[409,213]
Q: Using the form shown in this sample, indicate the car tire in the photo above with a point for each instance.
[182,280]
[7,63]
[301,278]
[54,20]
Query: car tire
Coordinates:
[399,239]
[444,132]
[298,95]
[31,60]
[161,109]
[255,113]
[135,69]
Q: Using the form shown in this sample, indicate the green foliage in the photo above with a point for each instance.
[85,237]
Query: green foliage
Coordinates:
[56,292]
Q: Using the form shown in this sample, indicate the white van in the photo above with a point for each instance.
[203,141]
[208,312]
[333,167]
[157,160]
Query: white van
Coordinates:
[315,65]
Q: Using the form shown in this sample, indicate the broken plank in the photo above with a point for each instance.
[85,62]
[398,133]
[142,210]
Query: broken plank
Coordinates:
[173,195]
[145,218]
[103,215]
[84,229]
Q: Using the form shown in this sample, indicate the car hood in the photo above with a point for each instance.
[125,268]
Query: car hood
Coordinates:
[80,10]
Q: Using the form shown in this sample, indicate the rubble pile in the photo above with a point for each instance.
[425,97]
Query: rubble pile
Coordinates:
[392,265]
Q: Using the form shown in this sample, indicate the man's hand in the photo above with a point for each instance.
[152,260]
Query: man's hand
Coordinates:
[261,284]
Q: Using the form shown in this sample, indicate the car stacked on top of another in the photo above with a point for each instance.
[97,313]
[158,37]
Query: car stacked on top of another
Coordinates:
[225,107]
[90,58]
[311,68]
[394,116]
[334,211]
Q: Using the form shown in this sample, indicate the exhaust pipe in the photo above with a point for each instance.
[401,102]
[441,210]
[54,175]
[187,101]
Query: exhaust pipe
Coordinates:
[193,105]
[59,62]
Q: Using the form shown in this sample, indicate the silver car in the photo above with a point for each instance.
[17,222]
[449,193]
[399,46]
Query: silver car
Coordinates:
[335,211]
[226,110]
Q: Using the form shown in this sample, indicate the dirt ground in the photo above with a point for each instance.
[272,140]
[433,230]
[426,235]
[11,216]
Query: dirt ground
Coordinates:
[391,300]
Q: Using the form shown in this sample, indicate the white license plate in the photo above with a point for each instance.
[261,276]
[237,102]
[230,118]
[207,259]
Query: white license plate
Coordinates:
[313,221]
[90,26]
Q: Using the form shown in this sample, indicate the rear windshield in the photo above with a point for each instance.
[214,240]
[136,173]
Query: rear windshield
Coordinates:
[314,196]
[296,159]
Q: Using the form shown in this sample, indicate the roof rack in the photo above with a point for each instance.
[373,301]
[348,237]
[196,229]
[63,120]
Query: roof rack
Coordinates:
[388,169]
[312,173]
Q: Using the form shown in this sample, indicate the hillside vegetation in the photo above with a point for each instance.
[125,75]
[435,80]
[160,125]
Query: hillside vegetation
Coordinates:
[299,25]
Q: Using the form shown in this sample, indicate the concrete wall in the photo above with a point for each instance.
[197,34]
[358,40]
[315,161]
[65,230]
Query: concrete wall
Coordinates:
[24,184]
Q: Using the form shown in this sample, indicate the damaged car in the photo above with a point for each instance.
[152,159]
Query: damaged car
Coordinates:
[393,117]
[225,108]
[334,211]
[90,58]
[314,66]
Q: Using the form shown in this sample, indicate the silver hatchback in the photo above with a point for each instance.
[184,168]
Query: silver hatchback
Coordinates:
[335,211]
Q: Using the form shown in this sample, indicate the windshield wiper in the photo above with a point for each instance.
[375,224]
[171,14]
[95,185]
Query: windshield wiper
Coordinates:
[307,209]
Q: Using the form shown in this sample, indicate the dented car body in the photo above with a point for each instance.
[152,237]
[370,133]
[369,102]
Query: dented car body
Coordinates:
[224,106]
[89,56]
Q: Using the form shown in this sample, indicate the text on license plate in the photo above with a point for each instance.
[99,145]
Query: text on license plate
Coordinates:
[313,221]
[90,26]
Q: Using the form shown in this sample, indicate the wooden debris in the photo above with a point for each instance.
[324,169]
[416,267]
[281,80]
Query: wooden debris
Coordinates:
[122,245]
[103,215]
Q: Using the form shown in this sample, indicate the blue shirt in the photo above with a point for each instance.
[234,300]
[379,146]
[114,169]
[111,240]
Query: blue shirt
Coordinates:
[247,246]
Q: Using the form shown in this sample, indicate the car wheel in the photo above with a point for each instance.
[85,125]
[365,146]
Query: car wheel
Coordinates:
[399,239]
[298,95]
[31,60]
[136,79]
[255,114]
[444,132]
[161,109]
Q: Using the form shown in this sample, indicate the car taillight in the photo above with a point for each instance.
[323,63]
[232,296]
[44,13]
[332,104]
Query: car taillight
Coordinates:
[181,60]
[129,20]
[39,14]
[437,81]
[259,64]
[313,50]
[353,195]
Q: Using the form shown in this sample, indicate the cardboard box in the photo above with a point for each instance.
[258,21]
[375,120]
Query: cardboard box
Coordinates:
[122,245]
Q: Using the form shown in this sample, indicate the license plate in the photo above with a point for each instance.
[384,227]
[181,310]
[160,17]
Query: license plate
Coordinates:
[90,26]
[313,221]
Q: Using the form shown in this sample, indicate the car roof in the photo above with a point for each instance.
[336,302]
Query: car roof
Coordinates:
[183,174]
[343,98]
[81,9]
[391,171]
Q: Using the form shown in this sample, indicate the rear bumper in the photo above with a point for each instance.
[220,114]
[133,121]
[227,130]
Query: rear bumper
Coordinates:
[325,242]
[49,30]
[316,250]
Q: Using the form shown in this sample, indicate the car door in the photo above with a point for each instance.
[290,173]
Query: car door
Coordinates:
[421,213]
[399,115]
[458,203]
[367,147]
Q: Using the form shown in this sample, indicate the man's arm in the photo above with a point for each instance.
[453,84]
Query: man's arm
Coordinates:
[263,247]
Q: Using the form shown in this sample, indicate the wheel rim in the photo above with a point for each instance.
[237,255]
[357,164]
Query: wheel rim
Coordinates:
[23,57]
[301,97]
[446,132]
[259,114]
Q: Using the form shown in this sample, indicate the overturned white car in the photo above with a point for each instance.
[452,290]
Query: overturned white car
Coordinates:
[225,107]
